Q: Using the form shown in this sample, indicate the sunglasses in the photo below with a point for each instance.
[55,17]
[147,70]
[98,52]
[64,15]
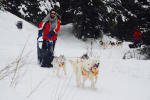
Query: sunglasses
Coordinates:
[53,13]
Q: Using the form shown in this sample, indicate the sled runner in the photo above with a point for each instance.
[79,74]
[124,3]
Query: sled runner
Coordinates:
[44,52]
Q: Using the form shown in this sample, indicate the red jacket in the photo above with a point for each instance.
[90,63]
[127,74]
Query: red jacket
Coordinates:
[137,35]
[47,28]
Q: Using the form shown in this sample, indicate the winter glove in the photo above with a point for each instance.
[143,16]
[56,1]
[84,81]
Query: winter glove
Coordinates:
[50,34]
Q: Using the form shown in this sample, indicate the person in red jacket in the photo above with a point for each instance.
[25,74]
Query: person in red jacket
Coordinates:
[50,27]
[137,37]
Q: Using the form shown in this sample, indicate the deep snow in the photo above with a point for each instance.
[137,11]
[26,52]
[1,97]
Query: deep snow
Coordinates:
[118,79]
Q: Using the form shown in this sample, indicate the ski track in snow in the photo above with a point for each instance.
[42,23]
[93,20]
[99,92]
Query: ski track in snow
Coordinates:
[118,79]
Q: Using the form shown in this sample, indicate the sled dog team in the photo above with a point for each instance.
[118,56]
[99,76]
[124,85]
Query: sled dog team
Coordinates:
[84,68]
[106,44]
[59,63]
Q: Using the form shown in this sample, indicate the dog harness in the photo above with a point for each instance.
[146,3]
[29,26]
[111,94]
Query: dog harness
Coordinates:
[83,72]
[95,73]
[94,70]
[61,64]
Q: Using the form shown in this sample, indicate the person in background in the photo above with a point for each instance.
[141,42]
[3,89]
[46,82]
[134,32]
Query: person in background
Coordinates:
[137,37]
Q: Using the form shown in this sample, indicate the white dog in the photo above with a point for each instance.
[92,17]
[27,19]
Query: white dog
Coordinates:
[85,69]
[59,63]
[90,71]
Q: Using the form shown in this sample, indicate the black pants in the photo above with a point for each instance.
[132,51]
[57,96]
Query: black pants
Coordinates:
[44,44]
[137,43]
[47,53]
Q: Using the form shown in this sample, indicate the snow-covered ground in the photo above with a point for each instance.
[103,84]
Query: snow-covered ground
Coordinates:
[22,78]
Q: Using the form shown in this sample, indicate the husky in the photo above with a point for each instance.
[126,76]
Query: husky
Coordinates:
[119,43]
[90,71]
[103,44]
[85,69]
[59,63]
[112,44]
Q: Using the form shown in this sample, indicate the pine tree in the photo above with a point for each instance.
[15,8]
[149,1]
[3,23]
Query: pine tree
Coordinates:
[33,16]
[27,9]
[0,5]
[140,18]
[126,16]
[91,17]
[88,19]
[66,11]
[12,6]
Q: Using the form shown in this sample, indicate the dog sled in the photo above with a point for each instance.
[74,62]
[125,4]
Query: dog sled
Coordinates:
[134,45]
[45,52]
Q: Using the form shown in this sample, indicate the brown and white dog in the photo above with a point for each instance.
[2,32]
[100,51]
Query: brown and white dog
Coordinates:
[103,44]
[90,71]
[112,44]
[119,43]
[59,63]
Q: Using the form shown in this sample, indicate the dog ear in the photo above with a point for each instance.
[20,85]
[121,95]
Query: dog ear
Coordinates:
[98,64]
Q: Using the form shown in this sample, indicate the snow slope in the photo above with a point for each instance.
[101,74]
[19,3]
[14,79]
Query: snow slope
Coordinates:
[118,79]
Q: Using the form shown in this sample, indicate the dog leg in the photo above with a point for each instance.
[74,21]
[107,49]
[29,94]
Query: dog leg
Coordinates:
[92,83]
[96,79]
[83,82]
[84,79]
[64,68]
[75,69]
[78,79]
[78,82]
[57,72]
[104,45]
